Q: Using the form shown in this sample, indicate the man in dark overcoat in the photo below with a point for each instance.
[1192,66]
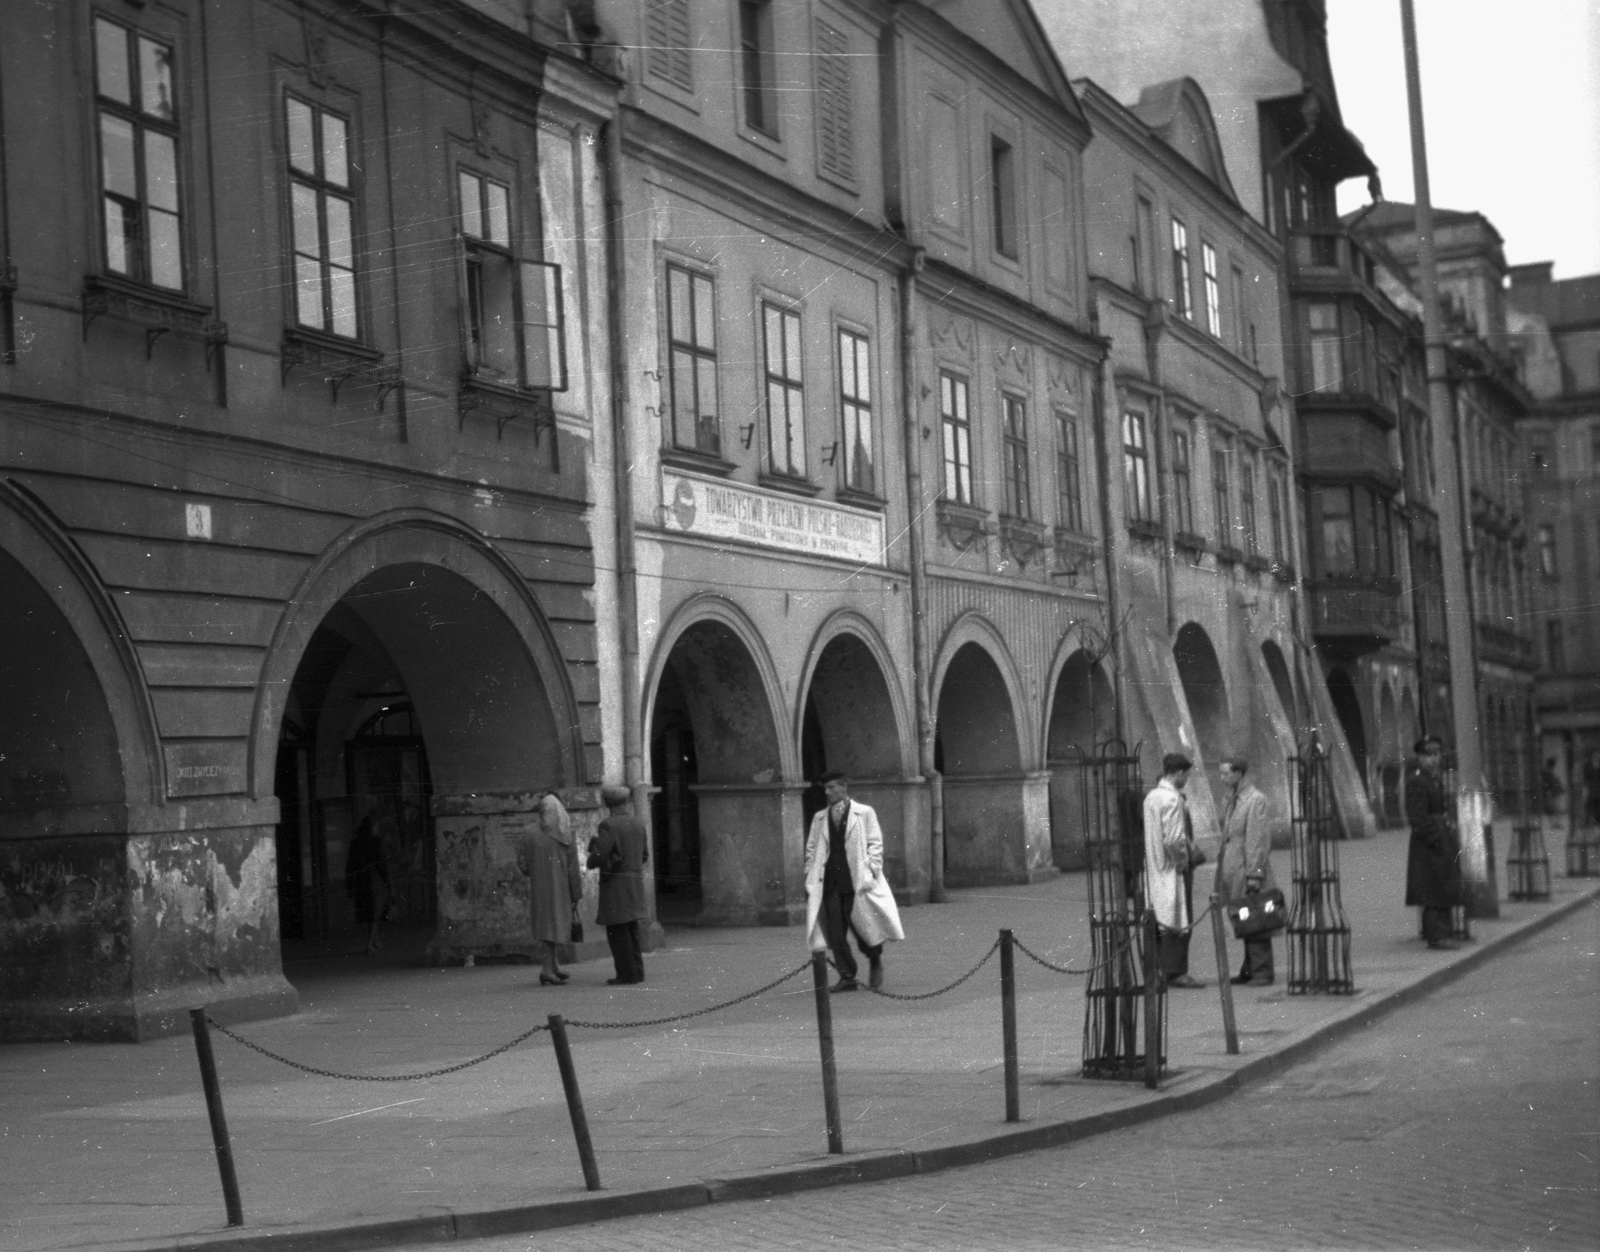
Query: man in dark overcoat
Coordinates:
[1432,875]
[620,852]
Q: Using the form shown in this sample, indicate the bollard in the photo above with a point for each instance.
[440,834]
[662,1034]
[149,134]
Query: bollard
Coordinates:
[1008,1023]
[219,1124]
[1230,1028]
[830,1077]
[569,1081]
[1152,1027]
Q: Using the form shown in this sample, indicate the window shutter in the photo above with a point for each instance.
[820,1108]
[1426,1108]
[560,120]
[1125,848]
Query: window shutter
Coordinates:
[835,143]
[667,33]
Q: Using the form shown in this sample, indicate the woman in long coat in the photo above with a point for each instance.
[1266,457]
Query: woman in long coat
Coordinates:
[555,884]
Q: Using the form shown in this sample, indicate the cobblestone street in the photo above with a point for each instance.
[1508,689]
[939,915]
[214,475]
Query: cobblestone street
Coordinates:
[1469,1120]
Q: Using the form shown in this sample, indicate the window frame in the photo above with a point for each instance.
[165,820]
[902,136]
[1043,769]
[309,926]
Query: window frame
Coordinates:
[323,188]
[143,124]
[1182,270]
[1069,480]
[1545,542]
[955,436]
[1221,490]
[1247,503]
[787,382]
[858,406]
[1183,476]
[1321,341]
[1003,197]
[1326,568]
[701,359]
[1014,438]
[1136,489]
[834,92]
[758,77]
[1213,291]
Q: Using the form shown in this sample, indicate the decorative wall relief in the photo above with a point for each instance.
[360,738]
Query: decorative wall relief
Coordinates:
[951,334]
[1013,359]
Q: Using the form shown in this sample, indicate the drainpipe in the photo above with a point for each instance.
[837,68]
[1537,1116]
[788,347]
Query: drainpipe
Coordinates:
[915,508]
[1155,325]
[1102,465]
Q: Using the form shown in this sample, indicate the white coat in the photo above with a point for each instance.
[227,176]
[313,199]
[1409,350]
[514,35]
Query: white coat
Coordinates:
[1166,854]
[875,915]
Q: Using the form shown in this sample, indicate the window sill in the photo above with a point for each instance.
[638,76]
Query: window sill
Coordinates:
[504,404]
[1230,555]
[1189,541]
[1022,538]
[962,525]
[1258,563]
[1283,572]
[338,360]
[1076,553]
[861,499]
[154,310]
[788,483]
[1144,528]
[698,462]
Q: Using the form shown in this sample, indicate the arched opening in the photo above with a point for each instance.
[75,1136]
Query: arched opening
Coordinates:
[1278,669]
[976,749]
[1201,675]
[1081,715]
[1389,758]
[414,692]
[715,759]
[1347,707]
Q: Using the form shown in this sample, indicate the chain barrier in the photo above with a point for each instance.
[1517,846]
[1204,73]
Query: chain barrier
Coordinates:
[681,1017]
[928,995]
[1066,969]
[333,1073]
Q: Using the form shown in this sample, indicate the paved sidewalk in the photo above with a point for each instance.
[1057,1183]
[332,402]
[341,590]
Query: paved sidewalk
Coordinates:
[106,1145]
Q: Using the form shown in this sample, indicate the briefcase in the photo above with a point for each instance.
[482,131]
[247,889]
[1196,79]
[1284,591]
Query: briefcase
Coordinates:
[1259,913]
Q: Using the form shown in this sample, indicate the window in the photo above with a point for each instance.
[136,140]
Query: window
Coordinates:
[139,181]
[1182,479]
[1276,511]
[1143,240]
[757,60]
[957,430]
[1208,265]
[1327,368]
[1338,531]
[322,206]
[1241,337]
[786,409]
[692,343]
[1019,501]
[1221,495]
[667,42]
[1382,530]
[1069,492]
[836,154]
[1555,646]
[855,404]
[1541,457]
[513,320]
[1182,296]
[1547,550]
[1136,467]
[1003,182]
[1247,504]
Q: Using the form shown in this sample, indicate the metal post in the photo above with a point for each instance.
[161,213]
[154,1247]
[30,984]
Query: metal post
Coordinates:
[569,1083]
[1230,1028]
[219,1123]
[830,1076]
[1152,1011]
[1008,1023]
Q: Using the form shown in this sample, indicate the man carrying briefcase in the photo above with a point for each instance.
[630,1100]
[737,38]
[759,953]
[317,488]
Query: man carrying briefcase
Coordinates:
[1244,870]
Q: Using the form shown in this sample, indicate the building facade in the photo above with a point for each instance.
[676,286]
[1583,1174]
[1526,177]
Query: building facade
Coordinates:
[303,409]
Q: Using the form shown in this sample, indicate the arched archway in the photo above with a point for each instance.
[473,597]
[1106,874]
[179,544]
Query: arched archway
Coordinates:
[1347,707]
[723,804]
[851,721]
[1201,675]
[413,683]
[1081,715]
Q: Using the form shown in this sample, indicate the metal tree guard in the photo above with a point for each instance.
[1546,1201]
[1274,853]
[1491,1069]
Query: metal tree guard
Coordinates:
[1528,864]
[1113,823]
[1319,936]
[1460,925]
[1583,839]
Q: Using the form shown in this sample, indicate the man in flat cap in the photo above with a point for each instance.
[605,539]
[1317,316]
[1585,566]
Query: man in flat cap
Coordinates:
[620,852]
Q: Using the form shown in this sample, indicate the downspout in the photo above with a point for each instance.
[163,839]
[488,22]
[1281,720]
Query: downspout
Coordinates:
[1102,465]
[915,508]
[1155,326]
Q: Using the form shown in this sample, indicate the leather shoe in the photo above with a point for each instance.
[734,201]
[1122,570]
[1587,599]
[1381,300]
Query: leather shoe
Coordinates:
[875,976]
[845,984]
[546,981]
[1185,981]
[622,982]
[1241,980]
[1445,945]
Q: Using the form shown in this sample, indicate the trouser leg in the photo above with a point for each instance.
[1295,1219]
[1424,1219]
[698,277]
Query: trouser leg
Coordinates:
[1257,957]
[836,929]
[1172,952]
[617,938]
[1435,922]
[635,953]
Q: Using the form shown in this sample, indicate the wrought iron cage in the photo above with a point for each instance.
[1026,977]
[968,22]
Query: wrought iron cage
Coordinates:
[1114,1033]
[1318,934]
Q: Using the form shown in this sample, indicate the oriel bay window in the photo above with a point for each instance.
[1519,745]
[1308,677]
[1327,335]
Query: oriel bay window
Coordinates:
[1019,500]
[1354,533]
[855,405]
[322,212]
[513,310]
[1136,467]
[786,409]
[137,121]
[692,363]
[956,429]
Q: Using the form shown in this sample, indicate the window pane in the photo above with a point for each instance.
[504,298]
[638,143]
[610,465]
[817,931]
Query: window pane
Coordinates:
[303,205]
[863,372]
[122,235]
[155,80]
[499,216]
[679,322]
[705,326]
[541,315]
[335,164]
[111,61]
[708,429]
[772,339]
[471,205]
[166,251]
[339,250]
[302,152]
[343,284]
[683,399]
[161,171]
[791,346]
[308,291]
[795,420]
[116,157]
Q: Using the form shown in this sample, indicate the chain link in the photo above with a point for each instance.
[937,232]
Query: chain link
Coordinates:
[333,1073]
[1060,969]
[681,1017]
[928,995]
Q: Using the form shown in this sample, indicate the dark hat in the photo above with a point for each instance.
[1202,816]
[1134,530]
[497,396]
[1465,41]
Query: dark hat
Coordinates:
[614,796]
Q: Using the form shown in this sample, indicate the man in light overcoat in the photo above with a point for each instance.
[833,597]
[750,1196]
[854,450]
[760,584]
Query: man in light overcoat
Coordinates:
[845,887]
[1244,862]
[1168,851]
